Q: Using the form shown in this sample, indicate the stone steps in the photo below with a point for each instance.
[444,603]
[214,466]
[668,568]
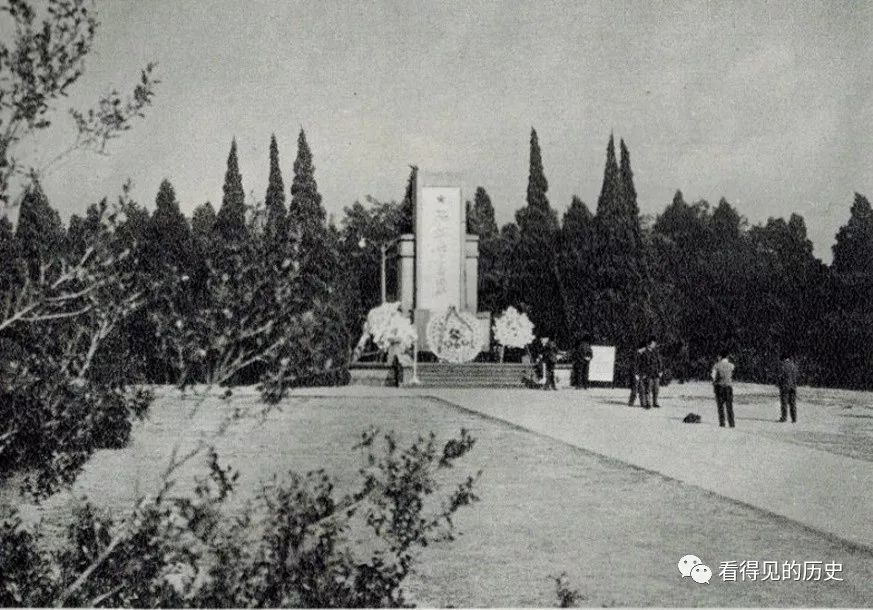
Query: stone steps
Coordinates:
[448,375]
[475,375]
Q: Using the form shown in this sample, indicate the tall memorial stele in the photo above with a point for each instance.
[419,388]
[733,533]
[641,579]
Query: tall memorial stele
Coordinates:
[437,273]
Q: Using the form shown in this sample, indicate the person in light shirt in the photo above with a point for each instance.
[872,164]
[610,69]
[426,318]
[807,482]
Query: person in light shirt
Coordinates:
[722,381]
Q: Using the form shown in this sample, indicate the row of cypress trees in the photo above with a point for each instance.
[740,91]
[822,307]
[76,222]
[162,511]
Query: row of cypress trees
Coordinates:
[698,277]
[165,241]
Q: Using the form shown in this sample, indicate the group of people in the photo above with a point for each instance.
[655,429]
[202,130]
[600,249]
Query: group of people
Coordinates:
[648,370]
[547,358]
[787,379]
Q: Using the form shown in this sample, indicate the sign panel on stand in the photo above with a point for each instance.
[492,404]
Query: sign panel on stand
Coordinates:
[602,365]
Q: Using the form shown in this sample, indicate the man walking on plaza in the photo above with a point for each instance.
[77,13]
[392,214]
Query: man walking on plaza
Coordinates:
[788,374]
[651,368]
[722,382]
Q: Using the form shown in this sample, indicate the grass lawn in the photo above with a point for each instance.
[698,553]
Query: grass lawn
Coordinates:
[546,508]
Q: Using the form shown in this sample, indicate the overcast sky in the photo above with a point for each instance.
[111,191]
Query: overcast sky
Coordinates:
[767,104]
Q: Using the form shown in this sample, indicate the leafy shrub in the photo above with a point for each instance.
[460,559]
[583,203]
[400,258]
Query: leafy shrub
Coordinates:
[567,597]
[252,320]
[50,426]
[298,543]
[25,572]
[64,379]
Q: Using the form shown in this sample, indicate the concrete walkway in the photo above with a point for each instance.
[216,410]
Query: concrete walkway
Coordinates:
[827,492]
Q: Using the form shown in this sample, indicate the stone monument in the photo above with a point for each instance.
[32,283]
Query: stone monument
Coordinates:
[437,272]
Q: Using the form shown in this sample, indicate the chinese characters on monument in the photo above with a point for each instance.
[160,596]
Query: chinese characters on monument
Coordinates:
[439,235]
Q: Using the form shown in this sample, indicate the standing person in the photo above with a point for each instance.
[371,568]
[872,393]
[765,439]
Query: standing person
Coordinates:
[548,358]
[635,375]
[575,372]
[722,381]
[584,356]
[788,374]
[651,368]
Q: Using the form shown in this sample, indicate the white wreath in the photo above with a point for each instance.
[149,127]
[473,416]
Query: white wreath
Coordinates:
[454,335]
[389,327]
[513,329]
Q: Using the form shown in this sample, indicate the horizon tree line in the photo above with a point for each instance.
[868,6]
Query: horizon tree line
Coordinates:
[699,277]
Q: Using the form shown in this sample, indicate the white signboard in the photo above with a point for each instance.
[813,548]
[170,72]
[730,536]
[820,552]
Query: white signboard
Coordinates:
[602,365]
[439,247]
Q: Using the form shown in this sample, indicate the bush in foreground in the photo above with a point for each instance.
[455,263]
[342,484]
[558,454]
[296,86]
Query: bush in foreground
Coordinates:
[297,543]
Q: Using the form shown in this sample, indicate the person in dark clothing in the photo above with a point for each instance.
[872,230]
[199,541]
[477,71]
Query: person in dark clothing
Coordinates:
[788,375]
[722,382]
[583,360]
[548,358]
[397,368]
[635,375]
[651,369]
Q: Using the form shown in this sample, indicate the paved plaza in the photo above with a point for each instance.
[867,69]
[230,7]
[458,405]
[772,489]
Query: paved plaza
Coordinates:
[804,472]
[572,481]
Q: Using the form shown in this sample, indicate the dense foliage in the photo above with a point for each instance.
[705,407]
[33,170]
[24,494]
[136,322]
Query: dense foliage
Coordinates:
[300,542]
[698,277]
[66,365]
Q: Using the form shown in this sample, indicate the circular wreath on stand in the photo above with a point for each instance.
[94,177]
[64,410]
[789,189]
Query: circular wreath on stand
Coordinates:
[513,329]
[454,335]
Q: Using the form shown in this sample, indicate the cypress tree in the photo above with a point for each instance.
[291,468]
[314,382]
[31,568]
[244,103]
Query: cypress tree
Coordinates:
[608,204]
[82,232]
[727,224]
[40,233]
[306,212]
[686,226]
[276,231]
[168,237]
[320,273]
[203,221]
[628,191]
[317,245]
[407,207]
[536,276]
[167,213]
[577,223]
[846,322]
[481,217]
[853,250]
[622,292]
[504,288]
[577,262]
[480,221]
[230,224]
[673,220]
[537,185]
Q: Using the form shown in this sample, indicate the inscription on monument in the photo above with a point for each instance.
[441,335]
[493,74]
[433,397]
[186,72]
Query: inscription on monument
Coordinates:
[440,245]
